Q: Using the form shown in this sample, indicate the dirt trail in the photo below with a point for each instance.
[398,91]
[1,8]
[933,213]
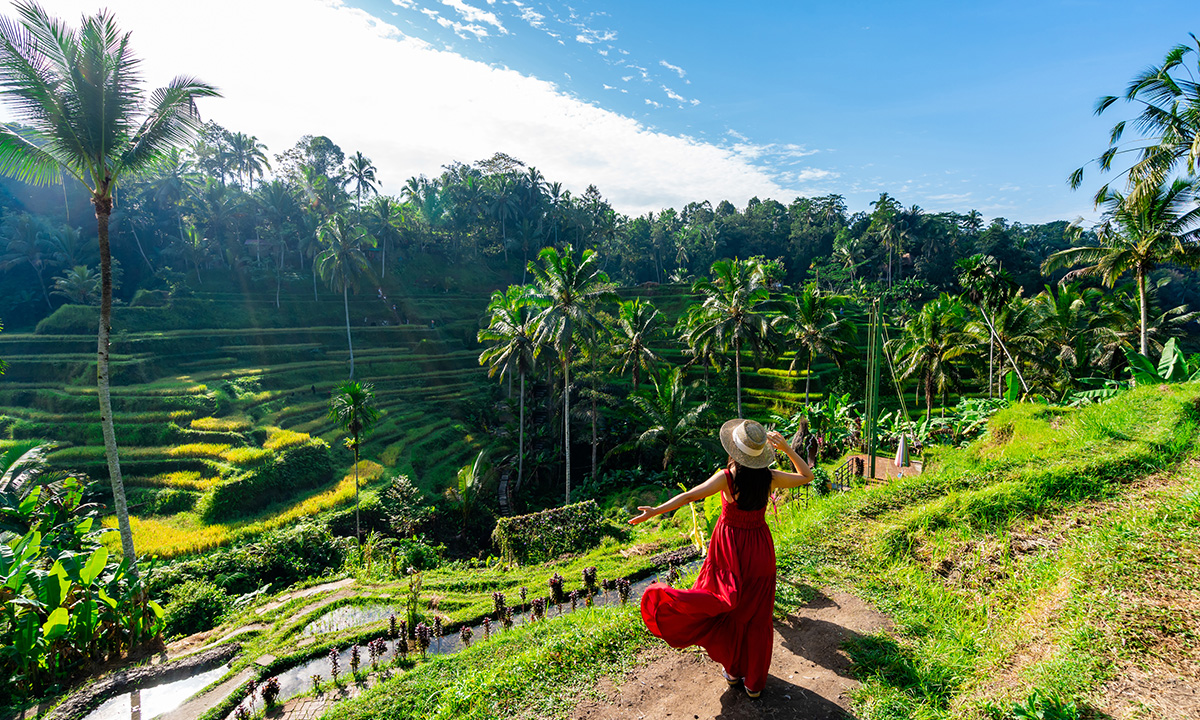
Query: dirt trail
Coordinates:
[809,673]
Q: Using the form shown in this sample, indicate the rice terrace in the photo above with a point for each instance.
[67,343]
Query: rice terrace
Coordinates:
[288,432]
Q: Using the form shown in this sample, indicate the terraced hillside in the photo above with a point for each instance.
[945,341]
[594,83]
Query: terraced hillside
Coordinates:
[207,387]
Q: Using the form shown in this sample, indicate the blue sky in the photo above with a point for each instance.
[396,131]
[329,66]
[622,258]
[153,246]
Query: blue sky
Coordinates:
[947,105]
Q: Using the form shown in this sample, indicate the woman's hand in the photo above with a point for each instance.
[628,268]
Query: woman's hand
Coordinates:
[777,441]
[647,513]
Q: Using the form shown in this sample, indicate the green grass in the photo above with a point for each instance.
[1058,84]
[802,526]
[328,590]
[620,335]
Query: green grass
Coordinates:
[979,623]
[539,670]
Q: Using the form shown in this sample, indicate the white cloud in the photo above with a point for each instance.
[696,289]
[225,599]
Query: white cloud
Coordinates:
[674,68]
[475,15]
[277,88]
[652,103]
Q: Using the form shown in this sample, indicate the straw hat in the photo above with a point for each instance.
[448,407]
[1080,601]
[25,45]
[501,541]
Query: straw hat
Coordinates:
[746,442]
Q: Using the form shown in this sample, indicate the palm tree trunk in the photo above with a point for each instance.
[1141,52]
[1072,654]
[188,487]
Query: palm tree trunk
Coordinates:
[567,417]
[133,230]
[928,395]
[383,260]
[521,437]
[357,529]
[737,371]
[349,342]
[103,209]
[1141,283]
[42,284]
[314,274]
[991,365]
[807,377]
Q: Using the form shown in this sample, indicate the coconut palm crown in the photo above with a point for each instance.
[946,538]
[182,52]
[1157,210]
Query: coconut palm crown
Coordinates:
[78,92]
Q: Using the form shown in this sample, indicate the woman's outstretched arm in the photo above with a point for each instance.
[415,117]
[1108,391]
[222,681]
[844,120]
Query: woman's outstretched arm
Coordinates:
[781,479]
[711,486]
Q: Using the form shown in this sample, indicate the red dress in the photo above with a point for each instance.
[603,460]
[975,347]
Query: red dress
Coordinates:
[728,611]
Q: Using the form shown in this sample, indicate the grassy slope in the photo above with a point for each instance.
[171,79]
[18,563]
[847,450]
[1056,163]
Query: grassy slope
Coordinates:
[1058,553]
[1029,560]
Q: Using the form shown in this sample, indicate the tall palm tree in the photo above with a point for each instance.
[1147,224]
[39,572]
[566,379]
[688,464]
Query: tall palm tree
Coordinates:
[811,321]
[671,420]
[1170,117]
[566,292]
[80,92]
[361,172]
[342,262]
[735,311]
[988,287]
[929,343]
[636,327]
[384,218]
[513,349]
[353,408]
[248,157]
[1136,234]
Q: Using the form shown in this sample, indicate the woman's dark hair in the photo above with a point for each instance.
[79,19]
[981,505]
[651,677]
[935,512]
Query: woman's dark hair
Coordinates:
[749,486]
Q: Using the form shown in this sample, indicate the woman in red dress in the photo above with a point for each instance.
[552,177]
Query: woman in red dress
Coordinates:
[728,610]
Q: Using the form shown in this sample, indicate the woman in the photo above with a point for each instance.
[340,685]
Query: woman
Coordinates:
[728,611]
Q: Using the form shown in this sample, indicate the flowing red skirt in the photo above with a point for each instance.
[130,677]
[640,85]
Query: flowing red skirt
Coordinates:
[728,611]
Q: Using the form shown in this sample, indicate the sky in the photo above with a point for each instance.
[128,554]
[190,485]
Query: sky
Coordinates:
[951,106]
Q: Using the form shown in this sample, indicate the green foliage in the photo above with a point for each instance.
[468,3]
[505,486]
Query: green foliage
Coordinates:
[406,508]
[297,468]
[195,605]
[1040,707]
[545,535]
[66,602]
[278,558]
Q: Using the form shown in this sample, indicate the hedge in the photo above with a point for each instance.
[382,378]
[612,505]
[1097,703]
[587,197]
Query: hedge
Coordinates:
[545,535]
[298,468]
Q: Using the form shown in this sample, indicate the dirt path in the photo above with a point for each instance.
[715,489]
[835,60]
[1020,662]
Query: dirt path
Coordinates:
[809,673]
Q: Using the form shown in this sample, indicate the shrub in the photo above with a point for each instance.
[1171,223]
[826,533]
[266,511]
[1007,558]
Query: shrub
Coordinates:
[545,535]
[821,483]
[406,507]
[195,605]
[278,558]
[297,468]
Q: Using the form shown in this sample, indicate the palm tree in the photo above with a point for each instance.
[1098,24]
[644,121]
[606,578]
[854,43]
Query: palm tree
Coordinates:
[362,173]
[1170,116]
[342,261]
[353,408]
[566,293]
[1137,233]
[247,156]
[80,284]
[384,217]
[811,320]
[989,288]
[511,331]
[1066,326]
[929,343]
[735,311]
[669,416]
[80,93]
[637,325]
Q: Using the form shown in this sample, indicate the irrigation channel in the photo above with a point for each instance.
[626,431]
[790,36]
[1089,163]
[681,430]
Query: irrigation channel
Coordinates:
[155,702]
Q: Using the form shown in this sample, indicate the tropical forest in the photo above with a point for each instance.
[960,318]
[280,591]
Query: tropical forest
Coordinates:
[279,440]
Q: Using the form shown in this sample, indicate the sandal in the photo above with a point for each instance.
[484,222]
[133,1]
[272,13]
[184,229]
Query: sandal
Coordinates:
[753,693]
[731,680]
